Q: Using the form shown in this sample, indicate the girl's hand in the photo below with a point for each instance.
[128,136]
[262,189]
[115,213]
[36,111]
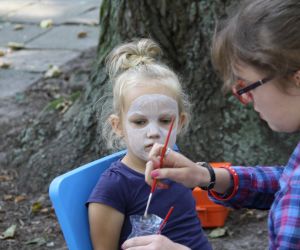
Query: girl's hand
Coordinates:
[175,167]
[152,242]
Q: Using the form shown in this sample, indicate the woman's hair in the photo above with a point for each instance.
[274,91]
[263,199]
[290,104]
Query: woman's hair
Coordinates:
[126,65]
[263,34]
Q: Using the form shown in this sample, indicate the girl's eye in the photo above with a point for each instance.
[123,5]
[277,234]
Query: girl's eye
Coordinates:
[165,120]
[139,122]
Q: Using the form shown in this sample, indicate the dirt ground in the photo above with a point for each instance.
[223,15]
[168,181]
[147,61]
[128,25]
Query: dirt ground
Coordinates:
[31,218]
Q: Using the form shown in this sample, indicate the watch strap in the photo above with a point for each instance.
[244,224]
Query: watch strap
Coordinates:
[211,173]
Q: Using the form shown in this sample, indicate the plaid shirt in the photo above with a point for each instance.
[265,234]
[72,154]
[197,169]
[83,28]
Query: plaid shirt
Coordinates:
[276,188]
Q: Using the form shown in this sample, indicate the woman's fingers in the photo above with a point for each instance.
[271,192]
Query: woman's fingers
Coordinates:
[176,174]
[139,243]
[155,150]
[153,242]
[176,167]
[149,168]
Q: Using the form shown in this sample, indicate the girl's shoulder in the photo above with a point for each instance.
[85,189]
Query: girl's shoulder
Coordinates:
[119,169]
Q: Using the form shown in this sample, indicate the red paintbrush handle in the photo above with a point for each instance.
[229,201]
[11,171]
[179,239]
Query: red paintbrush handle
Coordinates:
[163,152]
[165,220]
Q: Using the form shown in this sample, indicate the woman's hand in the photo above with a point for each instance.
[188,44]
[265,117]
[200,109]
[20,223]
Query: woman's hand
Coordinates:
[152,242]
[175,167]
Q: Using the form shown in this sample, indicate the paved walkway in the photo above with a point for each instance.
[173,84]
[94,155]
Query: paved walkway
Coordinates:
[51,32]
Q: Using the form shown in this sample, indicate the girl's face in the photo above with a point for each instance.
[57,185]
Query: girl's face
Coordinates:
[146,120]
[280,109]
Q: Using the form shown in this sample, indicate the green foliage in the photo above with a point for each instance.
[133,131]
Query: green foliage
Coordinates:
[63,102]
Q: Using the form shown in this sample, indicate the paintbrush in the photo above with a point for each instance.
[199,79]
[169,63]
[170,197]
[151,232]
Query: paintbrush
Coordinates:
[163,152]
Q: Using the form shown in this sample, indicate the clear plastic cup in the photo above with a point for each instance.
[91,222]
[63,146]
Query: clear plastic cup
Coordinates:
[144,225]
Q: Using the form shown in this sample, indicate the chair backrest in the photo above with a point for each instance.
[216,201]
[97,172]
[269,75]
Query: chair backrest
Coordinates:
[69,193]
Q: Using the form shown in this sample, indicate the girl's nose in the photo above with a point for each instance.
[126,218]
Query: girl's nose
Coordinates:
[153,131]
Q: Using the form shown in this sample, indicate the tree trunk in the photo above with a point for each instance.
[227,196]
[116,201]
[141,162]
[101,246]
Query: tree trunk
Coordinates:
[221,129]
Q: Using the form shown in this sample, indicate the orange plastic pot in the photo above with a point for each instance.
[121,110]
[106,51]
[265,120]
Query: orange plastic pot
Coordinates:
[209,213]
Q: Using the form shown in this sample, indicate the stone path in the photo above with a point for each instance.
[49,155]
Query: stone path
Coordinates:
[50,32]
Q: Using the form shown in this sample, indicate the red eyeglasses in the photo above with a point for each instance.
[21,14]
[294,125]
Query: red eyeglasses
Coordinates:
[242,91]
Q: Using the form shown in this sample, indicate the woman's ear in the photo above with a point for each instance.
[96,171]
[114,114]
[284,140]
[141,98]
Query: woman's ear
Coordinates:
[116,124]
[296,78]
[181,122]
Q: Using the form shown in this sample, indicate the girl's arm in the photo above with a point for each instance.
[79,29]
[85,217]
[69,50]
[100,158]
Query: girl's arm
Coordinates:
[105,226]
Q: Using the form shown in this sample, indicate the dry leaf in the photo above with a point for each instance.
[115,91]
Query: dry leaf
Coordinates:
[82,34]
[15,46]
[218,232]
[50,244]
[36,207]
[39,241]
[8,197]
[5,178]
[9,232]
[20,198]
[4,65]
[65,106]
[53,71]
[47,23]
[18,27]
[45,210]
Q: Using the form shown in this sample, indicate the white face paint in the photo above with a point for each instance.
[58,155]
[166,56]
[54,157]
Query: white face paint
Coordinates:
[148,120]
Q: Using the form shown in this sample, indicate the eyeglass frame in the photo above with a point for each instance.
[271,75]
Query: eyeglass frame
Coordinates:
[251,86]
[254,85]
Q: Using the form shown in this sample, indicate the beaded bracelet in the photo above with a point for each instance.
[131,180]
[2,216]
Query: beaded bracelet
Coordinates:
[235,185]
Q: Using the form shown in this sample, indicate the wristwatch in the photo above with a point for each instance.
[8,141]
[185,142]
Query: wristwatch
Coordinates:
[211,173]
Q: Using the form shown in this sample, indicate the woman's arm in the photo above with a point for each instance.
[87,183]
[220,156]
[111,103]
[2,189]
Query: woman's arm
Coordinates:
[105,226]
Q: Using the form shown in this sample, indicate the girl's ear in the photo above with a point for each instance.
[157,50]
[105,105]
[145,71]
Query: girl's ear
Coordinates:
[296,78]
[181,122]
[116,124]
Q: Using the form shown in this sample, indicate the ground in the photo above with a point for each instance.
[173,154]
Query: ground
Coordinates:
[36,224]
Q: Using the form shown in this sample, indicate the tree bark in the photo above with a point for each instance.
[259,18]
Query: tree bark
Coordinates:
[221,129]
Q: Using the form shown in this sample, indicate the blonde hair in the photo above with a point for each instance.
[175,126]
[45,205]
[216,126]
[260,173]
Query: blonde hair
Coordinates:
[126,65]
[263,34]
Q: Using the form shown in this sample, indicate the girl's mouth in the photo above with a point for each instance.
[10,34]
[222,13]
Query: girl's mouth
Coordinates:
[148,147]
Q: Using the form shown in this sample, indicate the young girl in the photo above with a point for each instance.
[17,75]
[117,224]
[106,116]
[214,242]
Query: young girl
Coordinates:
[147,95]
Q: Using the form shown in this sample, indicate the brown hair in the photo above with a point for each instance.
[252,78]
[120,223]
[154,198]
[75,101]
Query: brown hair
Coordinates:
[263,34]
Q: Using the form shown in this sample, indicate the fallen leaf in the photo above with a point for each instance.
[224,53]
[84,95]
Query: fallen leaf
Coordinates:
[4,65]
[19,97]
[5,178]
[36,207]
[18,27]
[47,23]
[15,46]
[82,34]
[50,244]
[52,72]
[2,53]
[66,105]
[9,232]
[39,241]
[8,197]
[45,210]
[218,232]
[20,198]
[246,214]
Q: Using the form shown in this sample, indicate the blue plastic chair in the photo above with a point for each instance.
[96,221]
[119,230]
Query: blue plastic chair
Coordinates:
[69,193]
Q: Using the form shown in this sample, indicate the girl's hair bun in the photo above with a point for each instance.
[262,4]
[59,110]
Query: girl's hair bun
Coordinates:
[130,55]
